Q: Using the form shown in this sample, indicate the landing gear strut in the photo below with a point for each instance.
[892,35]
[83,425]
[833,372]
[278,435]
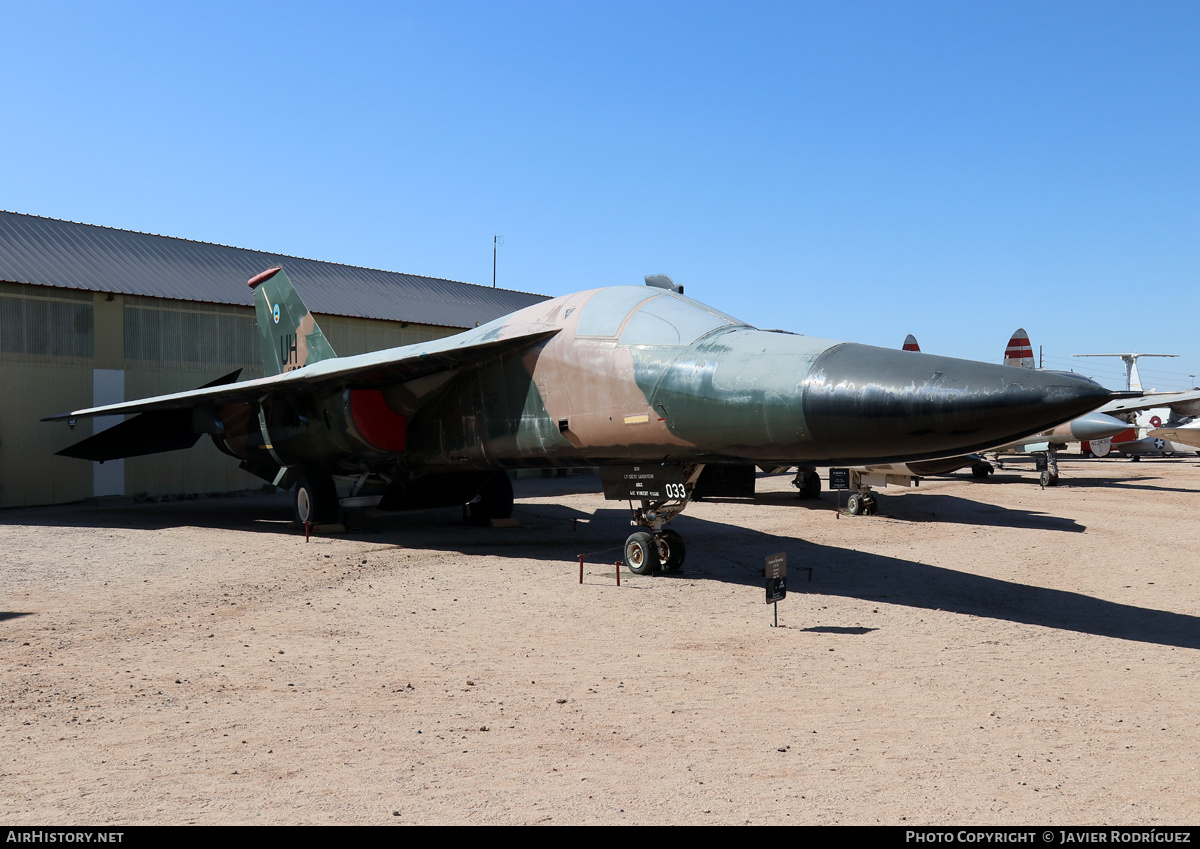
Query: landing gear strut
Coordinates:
[1049,476]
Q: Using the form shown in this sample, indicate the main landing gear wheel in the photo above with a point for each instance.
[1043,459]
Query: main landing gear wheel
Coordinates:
[671,550]
[1049,479]
[315,499]
[641,553]
[980,471]
[495,500]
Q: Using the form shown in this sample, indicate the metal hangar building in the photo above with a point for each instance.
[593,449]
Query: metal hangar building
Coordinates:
[93,315]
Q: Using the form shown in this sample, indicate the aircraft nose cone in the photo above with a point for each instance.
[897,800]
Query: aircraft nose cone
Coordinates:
[867,402]
[1096,426]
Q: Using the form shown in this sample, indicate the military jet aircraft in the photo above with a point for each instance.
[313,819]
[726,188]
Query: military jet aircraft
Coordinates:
[644,383]
[1182,437]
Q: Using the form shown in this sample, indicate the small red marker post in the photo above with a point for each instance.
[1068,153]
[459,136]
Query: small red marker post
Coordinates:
[307,527]
[581,568]
[617,566]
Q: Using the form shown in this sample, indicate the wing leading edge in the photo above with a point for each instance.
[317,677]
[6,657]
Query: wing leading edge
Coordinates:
[366,371]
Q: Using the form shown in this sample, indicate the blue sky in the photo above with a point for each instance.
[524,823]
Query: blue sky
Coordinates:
[849,170]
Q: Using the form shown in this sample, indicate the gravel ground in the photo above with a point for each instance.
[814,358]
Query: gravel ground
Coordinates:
[978,653]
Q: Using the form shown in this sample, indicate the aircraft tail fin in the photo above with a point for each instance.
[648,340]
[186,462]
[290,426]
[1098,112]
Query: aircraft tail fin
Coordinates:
[288,332]
[910,343]
[1019,352]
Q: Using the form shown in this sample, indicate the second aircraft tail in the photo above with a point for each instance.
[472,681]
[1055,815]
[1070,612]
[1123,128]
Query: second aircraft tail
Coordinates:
[1019,352]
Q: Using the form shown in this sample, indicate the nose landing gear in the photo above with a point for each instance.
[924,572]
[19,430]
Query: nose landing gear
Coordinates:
[862,502]
[660,548]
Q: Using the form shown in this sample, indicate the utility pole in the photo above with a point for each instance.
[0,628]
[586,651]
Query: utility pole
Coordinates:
[496,242]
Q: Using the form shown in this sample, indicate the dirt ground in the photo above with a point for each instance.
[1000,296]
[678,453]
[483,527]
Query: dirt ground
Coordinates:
[979,653]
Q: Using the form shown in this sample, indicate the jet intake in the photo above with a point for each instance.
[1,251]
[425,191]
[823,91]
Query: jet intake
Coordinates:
[376,422]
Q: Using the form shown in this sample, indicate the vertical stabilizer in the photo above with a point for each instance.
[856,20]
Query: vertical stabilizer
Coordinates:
[1019,352]
[1133,378]
[287,331]
[910,343]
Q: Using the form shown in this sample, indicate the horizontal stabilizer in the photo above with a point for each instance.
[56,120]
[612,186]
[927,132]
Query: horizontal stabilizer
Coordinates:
[148,433]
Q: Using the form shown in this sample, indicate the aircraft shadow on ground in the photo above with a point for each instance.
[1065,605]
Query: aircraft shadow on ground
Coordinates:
[1122,483]
[920,507]
[893,580]
[718,551]
[940,508]
[1024,474]
[558,534]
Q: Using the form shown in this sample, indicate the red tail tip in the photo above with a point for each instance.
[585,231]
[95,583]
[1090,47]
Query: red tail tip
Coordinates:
[264,277]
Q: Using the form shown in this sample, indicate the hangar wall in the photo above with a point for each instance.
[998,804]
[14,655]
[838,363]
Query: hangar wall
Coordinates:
[65,348]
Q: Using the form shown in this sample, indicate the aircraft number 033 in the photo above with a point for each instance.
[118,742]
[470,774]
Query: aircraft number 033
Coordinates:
[645,482]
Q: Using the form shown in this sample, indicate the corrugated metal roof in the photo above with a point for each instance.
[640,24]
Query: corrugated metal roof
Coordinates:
[50,252]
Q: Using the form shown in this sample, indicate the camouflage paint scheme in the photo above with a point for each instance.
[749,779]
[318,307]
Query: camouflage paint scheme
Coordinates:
[283,317]
[607,376]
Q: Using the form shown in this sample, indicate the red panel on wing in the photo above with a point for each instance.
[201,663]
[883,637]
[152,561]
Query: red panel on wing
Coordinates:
[376,422]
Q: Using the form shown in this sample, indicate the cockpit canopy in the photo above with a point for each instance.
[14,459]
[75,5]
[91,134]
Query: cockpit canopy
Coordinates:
[638,316]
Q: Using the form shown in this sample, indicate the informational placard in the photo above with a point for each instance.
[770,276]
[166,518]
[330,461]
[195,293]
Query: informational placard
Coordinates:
[1040,462]
[776,573]
[645,482]
[839,478]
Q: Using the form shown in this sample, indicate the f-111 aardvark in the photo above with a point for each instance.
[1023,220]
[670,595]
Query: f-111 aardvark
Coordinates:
[643,382]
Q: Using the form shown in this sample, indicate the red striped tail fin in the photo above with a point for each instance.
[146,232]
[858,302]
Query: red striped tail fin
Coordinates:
[1019,352]
[910,343]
